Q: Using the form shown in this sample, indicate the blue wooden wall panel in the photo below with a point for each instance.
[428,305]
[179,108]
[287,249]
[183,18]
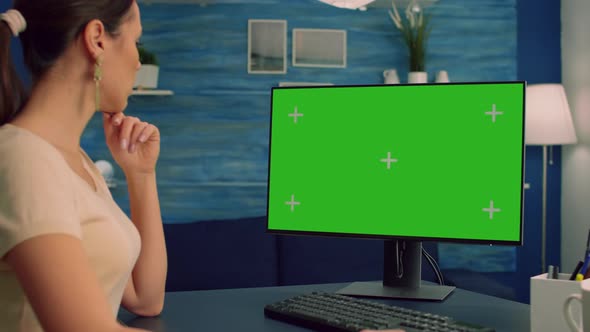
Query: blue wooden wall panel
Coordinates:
[213,162]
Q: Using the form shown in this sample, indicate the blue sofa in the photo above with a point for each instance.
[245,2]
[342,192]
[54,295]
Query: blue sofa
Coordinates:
[240,253]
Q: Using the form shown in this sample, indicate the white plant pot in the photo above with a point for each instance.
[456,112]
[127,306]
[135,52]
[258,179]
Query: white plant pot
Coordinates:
[417,77]
[390,76]
[442,77]
[147,77]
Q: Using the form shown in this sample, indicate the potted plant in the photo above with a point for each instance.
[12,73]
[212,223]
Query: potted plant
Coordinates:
[415,29]
[147,76]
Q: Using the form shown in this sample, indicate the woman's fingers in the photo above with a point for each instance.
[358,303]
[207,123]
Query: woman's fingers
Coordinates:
[147,132]
[111,121]
[127,131]
[128,125]
[136,135]
[133,132]
[117,118]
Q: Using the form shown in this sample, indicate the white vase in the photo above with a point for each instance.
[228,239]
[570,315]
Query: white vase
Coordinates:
[417,77]
[442,77]
[147,77]
[390,76]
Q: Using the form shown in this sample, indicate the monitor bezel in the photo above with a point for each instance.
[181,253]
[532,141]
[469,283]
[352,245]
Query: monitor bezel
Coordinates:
[518,242]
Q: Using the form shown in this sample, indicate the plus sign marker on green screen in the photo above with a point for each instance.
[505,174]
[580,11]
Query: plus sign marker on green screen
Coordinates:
[440,161]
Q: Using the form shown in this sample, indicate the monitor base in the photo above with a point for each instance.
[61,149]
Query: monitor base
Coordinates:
[377,289]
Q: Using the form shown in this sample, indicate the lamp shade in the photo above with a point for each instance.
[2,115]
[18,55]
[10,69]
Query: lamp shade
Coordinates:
[548,116]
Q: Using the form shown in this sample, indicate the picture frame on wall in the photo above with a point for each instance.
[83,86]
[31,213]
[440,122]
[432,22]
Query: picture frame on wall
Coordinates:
[319,48]
[267,46]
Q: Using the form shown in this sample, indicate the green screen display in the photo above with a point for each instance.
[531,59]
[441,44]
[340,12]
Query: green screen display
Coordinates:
[433,161]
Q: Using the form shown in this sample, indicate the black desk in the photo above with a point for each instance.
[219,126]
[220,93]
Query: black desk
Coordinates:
[241,310]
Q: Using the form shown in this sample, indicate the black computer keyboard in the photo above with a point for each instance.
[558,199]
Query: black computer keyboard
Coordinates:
[334,312]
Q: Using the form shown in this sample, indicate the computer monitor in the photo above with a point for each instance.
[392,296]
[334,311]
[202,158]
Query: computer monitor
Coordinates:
[402,163]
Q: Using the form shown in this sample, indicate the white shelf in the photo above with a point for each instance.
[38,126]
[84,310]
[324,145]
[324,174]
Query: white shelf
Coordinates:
[152,93]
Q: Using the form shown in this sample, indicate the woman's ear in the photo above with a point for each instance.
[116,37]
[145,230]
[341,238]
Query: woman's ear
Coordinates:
[93,37]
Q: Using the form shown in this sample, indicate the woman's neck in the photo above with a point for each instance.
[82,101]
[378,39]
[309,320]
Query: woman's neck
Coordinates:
[60,106]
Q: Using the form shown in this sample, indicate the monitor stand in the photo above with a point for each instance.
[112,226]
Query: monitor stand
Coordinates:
[402,263]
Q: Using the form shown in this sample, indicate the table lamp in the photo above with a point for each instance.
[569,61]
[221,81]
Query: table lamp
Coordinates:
[548,122]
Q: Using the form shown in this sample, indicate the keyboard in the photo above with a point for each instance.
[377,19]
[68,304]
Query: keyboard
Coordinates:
[334,312]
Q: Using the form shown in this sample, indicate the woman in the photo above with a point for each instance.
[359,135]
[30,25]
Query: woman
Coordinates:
[69,257]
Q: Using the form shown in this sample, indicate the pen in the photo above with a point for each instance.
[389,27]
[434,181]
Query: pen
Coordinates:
[582,272]
[576,270]
[584,267]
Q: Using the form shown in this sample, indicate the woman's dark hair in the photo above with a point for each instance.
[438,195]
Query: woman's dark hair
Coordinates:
[52,25]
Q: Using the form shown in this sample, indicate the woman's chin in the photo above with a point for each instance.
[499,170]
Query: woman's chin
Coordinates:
[115,109]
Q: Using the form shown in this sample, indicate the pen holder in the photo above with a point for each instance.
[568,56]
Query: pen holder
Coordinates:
[547,298]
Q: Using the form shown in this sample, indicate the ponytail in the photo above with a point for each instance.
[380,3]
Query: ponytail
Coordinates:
[12,92]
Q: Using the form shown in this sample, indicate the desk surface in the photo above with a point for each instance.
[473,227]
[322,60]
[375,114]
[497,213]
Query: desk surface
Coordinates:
[242,310]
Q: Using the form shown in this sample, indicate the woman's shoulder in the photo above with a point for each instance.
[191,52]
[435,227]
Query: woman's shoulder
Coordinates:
[16,141]
[23,151]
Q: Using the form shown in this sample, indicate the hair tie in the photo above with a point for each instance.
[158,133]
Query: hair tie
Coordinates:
[15,20]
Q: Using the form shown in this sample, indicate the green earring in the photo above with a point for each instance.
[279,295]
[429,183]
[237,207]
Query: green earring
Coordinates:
[97,78]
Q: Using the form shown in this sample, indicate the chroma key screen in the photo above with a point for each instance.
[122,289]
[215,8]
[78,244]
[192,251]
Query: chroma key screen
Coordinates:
[425,161]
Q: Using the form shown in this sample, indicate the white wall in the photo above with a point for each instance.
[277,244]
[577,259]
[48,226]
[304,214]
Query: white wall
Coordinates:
[575,215]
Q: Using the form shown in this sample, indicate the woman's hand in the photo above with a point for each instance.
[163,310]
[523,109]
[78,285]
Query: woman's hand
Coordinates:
[135,145]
